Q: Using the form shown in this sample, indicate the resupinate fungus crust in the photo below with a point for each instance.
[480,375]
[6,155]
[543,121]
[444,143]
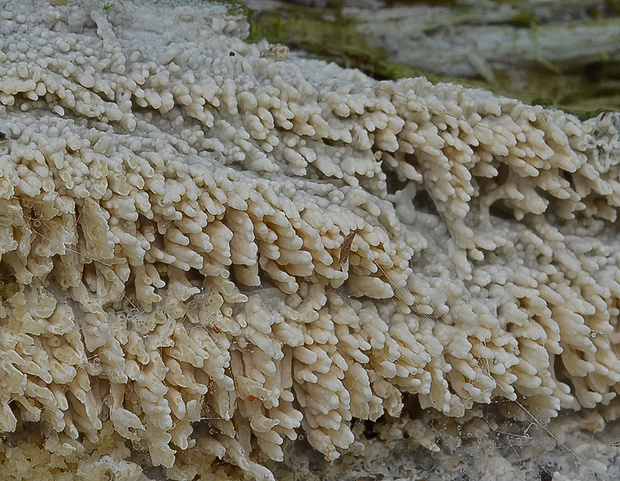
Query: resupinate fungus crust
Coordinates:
[205,254]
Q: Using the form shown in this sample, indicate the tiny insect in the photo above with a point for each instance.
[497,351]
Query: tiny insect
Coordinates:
[346,248]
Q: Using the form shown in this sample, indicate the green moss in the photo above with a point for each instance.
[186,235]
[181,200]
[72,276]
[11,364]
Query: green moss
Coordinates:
[574,93]
[237,8]
[320,32]
[327,35]
[525,19]
[543,102]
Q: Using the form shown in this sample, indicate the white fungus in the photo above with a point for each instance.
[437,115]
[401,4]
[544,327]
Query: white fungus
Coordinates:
[173,208]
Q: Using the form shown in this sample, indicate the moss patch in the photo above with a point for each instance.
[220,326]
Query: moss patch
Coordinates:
[328,35]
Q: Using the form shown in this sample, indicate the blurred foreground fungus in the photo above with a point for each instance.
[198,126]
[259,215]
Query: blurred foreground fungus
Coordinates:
[173,219]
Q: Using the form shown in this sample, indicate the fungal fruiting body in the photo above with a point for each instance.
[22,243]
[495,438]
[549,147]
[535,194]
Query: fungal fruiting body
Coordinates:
[175,223]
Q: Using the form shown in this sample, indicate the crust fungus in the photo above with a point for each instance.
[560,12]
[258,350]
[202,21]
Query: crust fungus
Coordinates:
[173,221]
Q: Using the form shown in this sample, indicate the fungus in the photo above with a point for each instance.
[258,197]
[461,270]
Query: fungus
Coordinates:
[203,251]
